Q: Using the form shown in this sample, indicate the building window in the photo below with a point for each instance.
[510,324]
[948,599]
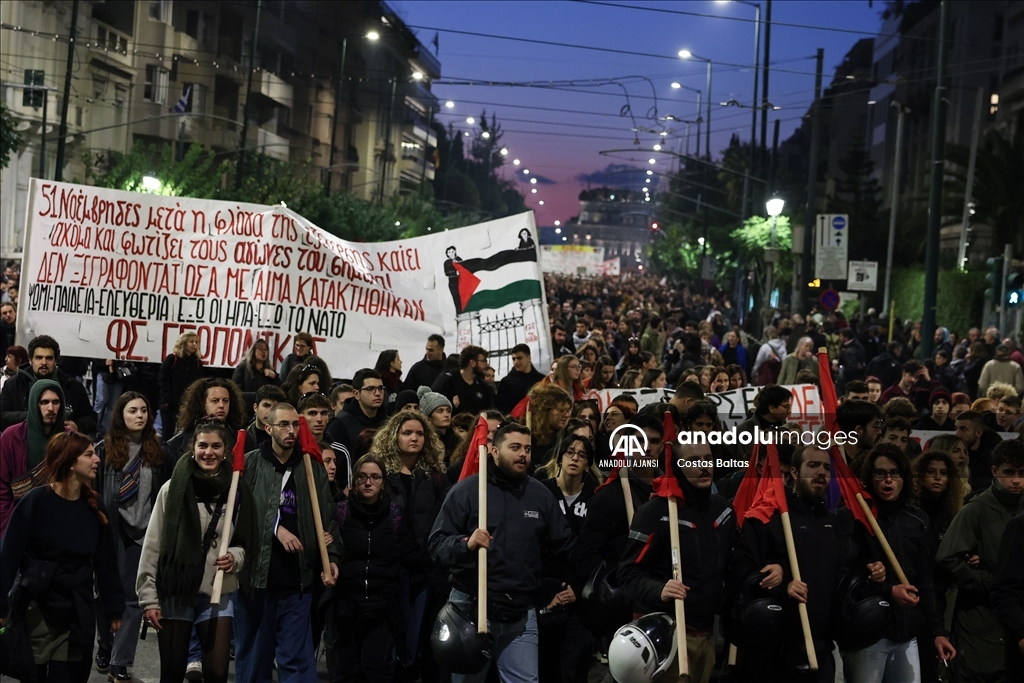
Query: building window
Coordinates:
[78,116]
[157,81]
[197,99]
[196,25]
[160,10]
[33,98]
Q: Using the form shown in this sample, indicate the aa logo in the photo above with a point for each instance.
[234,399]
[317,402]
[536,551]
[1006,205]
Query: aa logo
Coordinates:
[625,442]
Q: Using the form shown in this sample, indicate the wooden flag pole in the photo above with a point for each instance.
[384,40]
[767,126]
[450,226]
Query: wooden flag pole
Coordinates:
[225,538]
[481,567]
[805,623]
[677,574]
[627,493]
[883,540]
[314,500]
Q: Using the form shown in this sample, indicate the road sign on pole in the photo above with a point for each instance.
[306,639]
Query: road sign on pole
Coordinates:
[829,300]
[831,239]
[863,276]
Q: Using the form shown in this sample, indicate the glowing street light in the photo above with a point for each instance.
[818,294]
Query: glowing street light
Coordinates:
[417,76]
[485,135]
[372,35]
[533,181]
[541,202]
[470,120]
[449,104]
[657,147]
[676,86]
[652,161]
[533,191]
[151,184]
[650,172]
[685,54]
[515,162]
[504,151]
[774,206]
[557,232]
[526,171]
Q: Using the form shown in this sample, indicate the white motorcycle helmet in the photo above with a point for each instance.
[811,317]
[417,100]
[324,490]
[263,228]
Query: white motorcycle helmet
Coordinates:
[642,649]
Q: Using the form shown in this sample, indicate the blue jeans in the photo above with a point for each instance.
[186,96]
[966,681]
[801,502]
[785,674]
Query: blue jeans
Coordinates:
[884,662]
[270,627]
[413,608]
[515,647]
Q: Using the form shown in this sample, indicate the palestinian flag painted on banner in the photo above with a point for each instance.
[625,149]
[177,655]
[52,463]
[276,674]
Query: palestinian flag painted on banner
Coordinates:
[494,282]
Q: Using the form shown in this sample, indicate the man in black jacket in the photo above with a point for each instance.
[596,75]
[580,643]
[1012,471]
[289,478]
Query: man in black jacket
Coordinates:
[851,356]
[522,515]
[520,379]
[886,474]
[887,366]
[43,354]
[425,371]
[980,441]
[466,388]
[707,531]
[362,412]
[761,550]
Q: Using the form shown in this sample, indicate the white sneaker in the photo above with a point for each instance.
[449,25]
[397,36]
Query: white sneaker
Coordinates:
[194,671]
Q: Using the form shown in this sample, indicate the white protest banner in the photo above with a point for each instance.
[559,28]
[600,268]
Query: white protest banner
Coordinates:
[122,274]
[734,406]
[572,259]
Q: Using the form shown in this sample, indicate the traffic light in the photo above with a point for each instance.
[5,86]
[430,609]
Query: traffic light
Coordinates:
[1015,288]
[994,278]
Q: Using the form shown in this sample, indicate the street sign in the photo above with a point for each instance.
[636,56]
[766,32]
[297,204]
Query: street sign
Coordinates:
[863,276]
[831,239]
[708,268]
[829,299]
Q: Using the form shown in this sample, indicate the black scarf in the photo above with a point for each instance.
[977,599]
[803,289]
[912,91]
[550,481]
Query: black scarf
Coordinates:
[180,567]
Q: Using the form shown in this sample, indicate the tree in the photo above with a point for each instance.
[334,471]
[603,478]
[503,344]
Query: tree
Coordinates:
[10,138]
[858,195]
[197,175]
[751,241]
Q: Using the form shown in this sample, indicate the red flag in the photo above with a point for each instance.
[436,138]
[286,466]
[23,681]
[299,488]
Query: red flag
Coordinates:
[849,484]
[667,486]
[613,476]
[748,490]
[238,464]
[828,392]
[772,492]
[520,408]
[471,465]
[307,442]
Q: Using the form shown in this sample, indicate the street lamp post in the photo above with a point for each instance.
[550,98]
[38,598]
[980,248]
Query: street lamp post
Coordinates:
[771,255]
[686,54]
[754,107]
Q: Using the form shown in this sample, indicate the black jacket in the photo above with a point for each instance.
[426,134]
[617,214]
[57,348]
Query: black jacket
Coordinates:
[556,573]
[602,537]
[514,387]
[817,542]
[885,367]
[376,544]
[250,381]
[176,374]
[1008,580]
[707,532]
[14,400]
[852,360]
[908,531]
[521,517]
[108,484]
[343,430]
[980,461]
[686,361]
[473,398]
[423,373]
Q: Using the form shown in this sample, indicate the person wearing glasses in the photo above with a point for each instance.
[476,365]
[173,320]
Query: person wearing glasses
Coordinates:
[273,619]
[364,618]
[302,349]
[550,409]
[179,559]
[969,553]
[565,644]
[466,389]
[413,457]
[568,371]
[363,411]
[886,474]
[211,397]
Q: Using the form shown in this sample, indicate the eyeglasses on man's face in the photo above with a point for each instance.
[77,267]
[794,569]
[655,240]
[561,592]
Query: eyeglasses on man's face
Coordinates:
[376,389]
[294,426]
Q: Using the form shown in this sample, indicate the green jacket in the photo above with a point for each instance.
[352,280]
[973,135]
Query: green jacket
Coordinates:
[265,481]
[977,530]
[653,341]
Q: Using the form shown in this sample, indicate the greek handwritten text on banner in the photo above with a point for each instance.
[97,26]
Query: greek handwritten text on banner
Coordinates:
[122,274]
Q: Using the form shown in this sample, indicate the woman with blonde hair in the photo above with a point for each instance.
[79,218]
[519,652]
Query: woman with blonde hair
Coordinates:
[802,358]
[413,457]
[255,370]
[179,370]
[62,531]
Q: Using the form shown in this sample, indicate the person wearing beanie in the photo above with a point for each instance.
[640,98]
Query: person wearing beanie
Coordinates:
[407,399]
[939,401]
[438,410]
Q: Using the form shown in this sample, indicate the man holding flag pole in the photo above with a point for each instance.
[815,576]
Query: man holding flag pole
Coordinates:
[665,572]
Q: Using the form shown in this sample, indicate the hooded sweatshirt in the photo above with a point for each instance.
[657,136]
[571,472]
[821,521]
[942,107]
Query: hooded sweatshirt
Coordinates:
[776,346]
[22,448]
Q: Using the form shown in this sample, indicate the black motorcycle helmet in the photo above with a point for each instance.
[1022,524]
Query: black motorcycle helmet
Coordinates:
[756,619]
[457,645]
[603,606]
[863,616]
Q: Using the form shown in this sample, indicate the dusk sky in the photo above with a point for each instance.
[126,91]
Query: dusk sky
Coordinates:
[559,134]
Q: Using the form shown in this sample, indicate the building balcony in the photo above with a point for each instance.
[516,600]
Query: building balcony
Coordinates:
[415,124]
[274,146]
[273,88]
[109,46]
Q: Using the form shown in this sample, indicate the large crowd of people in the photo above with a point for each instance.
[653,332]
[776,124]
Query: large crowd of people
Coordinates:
[353,527]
